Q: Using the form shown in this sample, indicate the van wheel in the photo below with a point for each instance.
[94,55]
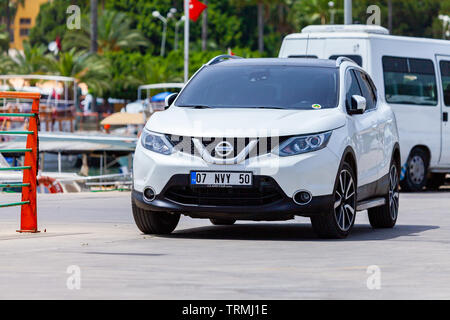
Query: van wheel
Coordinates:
[340,220]
[416,171]
[222,222]
[435,180]
[386,216]
[152,222]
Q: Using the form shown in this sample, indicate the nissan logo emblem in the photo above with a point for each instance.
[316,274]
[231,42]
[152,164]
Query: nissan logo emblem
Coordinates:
[224,149]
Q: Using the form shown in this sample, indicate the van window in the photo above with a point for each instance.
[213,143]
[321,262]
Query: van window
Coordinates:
[351,88]
[409,81]
[445,75]
[366,90]
[354,57]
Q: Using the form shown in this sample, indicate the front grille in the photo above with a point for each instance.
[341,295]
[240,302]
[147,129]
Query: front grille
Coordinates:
[265,191]
[264,145]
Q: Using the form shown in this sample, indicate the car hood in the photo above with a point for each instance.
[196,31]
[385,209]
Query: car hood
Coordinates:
[235,122]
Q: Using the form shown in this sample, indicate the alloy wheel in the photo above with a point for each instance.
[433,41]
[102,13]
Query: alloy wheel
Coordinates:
[417,170]
[345,201]
[393,192]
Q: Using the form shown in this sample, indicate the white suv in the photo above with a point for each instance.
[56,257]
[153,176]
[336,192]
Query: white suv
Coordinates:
[270,139]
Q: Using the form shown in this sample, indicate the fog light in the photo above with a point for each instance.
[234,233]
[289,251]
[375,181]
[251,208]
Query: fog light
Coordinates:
[302,197]
[149,194]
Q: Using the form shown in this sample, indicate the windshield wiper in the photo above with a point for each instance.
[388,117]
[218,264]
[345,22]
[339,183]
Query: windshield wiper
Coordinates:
[279,108]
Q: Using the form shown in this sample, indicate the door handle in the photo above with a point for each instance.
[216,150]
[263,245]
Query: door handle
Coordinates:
[445,116]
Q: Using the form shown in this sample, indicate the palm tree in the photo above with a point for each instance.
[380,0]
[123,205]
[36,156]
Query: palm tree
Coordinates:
[263,7]
[94,28]
[114,34]
[31,61]
[312,11]
[88,68]
[10,9]
[4,39]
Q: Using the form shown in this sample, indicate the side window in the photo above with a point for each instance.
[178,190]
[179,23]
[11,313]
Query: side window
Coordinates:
[351,87]
[445,75]
[409,81]
[367,91]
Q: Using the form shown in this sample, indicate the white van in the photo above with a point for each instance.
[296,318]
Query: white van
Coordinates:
[412,76]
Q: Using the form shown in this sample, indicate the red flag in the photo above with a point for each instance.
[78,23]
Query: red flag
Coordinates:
[195,9]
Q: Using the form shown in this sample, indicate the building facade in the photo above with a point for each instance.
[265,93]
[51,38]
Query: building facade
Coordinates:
[23,22]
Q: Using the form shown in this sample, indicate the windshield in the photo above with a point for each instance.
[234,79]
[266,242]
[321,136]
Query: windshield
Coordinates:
[284,87]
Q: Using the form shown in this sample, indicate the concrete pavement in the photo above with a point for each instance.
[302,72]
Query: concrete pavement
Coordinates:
[96,233]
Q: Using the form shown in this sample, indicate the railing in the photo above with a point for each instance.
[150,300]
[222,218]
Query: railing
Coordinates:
[28,220]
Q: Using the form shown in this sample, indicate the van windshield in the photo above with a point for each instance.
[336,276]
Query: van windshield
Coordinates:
[278,87]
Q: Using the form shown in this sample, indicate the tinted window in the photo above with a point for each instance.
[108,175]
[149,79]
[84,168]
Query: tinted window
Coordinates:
[366,89]
[351,88]
[409,81]
[262,86]
[354,57]
[445,74]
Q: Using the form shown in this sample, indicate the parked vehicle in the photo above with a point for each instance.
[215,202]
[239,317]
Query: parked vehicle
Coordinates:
[413,77]
[270,139]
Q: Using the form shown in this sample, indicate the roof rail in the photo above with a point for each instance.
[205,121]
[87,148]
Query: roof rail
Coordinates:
[340,60]
[221,58]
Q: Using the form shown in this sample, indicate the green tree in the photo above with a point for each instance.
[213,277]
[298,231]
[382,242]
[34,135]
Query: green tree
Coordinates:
[8,12]
[114,34]
[87,68]
[31,61]
[51,21]
[4,39]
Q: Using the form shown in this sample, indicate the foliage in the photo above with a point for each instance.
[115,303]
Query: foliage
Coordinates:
[51,21]
[4,39]
[31,61]
[87,68]
[114,34]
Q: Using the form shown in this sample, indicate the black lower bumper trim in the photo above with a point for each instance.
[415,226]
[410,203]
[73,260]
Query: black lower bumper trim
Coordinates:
[283,209]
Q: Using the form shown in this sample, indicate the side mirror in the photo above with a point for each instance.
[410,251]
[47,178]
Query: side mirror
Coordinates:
[358,105]
[170,99]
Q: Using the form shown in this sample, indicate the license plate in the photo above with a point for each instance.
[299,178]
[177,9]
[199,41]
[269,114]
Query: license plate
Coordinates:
[215,179]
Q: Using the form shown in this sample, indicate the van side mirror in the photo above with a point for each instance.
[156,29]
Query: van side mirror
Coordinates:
[170,99]
[358,105]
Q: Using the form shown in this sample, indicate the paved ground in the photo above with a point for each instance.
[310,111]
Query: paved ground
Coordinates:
[247,261]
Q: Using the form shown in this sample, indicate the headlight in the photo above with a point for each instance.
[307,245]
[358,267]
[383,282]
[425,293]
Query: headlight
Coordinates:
[303,144]
[156,142]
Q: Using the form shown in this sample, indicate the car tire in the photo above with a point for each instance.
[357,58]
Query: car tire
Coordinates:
[339,221]
[152,222]
[222,222]
[386,215]
[416,171]
[435,180]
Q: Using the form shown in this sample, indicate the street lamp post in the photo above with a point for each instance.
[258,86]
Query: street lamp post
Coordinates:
[332,11]
[170,15]
[186,41]
[177,25]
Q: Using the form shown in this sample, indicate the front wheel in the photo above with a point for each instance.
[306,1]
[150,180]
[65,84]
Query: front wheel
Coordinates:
[152,222]
[340,220]
[386,216]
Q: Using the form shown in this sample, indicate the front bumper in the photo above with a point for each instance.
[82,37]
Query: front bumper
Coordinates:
[283,208]
[315,171]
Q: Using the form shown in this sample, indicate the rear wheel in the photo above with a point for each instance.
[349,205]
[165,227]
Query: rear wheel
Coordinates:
[435,180]
[416,171]
[340,220]
[222,222]
[386,215]
[152,222]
